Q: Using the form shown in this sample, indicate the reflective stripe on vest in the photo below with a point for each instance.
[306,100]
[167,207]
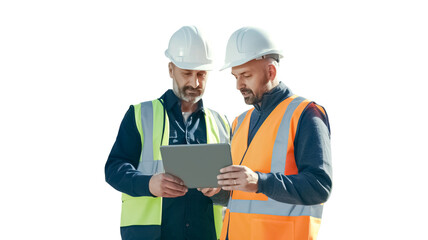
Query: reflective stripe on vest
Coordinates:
[149,117]
[258,210]
[239,121]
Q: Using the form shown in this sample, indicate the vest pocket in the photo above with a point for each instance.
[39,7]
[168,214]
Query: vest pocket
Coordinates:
[271,229]
[141,211]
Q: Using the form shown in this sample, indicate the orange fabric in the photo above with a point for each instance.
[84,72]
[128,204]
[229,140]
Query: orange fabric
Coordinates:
[321,108]
[225,225]
[235,122]
[239,151]
[264,139]
[258,157]
[258,227]
[259,153]
[242,130]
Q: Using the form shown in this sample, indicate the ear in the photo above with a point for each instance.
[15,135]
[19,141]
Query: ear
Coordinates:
[271,71]
[170,69]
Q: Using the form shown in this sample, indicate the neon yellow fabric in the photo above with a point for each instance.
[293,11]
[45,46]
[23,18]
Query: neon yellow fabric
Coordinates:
[158,116]
[218,219]
[212,129]
[148,210]
[226,124]
[137,112]
[140,211]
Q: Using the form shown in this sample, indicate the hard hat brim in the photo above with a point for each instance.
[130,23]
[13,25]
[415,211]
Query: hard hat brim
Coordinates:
[191,66]
[194,66]
[245,60]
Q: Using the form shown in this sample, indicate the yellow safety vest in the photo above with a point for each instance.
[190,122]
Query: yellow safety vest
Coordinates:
[149,118]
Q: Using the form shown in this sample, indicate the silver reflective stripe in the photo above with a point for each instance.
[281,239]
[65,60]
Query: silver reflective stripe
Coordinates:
[240,120]
[151,167]
[224,136]
[279,148]
[147,165]
[272,207]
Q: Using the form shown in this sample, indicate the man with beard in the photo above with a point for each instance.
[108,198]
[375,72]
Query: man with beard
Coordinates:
[156,205]
[281,172]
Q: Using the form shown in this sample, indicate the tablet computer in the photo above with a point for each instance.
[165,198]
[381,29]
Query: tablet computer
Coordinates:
[196,164]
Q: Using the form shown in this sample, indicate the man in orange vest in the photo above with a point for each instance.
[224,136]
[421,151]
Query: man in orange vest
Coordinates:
[281,173]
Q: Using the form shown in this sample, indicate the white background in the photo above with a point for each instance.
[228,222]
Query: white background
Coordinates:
[70,69]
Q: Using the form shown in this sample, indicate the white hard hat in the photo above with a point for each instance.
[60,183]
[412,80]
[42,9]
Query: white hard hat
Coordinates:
[188,49]
[246,44]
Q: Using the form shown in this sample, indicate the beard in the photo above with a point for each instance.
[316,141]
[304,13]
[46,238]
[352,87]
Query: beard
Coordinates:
[250,98]
[188,93]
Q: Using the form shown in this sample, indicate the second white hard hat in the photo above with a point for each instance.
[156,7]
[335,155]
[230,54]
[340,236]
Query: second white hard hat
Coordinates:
[188,49]
[246,44]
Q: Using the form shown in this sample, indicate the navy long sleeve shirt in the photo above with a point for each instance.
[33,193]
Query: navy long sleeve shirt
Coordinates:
[186,217]
[312,185]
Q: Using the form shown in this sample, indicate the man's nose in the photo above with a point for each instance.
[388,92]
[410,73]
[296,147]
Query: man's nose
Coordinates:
[239,83]
[194,81]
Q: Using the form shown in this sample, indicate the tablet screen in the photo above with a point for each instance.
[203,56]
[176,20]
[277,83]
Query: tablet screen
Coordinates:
[196,164]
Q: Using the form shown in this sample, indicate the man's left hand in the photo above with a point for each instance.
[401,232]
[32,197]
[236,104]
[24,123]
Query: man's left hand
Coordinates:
[237,177]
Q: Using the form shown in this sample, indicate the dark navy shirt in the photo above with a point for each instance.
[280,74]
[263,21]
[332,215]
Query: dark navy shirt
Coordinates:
[311,150]
[187,217]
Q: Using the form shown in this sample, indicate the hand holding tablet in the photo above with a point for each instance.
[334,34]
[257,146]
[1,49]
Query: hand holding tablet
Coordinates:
[196,164]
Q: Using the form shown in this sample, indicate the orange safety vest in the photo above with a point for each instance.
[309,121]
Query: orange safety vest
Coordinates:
[254,215]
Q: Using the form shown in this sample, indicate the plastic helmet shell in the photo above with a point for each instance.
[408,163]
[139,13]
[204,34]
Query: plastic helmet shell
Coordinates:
[188,49]
[246,44]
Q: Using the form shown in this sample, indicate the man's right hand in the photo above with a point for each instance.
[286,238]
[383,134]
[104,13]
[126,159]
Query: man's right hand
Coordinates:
[167,185]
